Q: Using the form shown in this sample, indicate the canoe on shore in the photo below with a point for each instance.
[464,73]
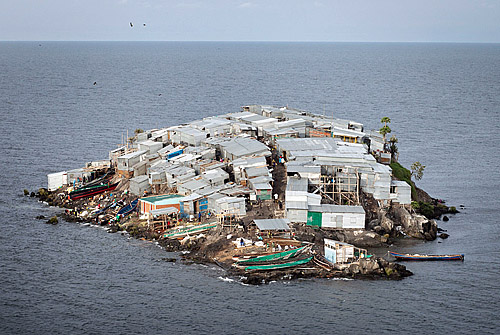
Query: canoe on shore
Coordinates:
[91,191]
[278,266]
[273,257]
[417,257]
[193,229]
[129,208]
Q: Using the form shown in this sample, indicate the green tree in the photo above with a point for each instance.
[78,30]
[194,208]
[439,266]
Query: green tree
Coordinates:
[385,120]
[393,148]
[417,170]
[385,129]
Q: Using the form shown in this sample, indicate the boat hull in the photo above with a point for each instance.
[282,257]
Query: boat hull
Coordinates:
[410,257]
[278,266]
[92,191]
[273,257]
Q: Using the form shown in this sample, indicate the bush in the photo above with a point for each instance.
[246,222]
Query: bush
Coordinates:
[424,208]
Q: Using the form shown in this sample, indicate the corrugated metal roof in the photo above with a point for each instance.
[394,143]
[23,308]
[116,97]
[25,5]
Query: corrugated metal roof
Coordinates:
[261,186]
[400,183]
[258,160]
[297,184]
[139,179]
[296,205]
[242,146]
[164,211]
[256,171]
[292,168]
[157,198]
[308,144]
[132,154]
[273,224]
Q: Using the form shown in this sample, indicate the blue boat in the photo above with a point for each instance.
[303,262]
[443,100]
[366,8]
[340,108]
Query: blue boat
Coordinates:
[129,208]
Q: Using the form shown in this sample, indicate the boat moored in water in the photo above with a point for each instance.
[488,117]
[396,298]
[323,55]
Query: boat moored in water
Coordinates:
[417,257]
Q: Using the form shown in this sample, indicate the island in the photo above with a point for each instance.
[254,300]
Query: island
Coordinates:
[267,193]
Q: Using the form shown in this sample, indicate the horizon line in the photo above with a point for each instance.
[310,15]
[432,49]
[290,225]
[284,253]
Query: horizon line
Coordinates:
[259,41]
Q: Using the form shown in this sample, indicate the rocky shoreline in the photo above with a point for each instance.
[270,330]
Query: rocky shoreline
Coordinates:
[215,248]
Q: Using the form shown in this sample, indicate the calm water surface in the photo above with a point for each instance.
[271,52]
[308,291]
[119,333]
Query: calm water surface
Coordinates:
[444,103]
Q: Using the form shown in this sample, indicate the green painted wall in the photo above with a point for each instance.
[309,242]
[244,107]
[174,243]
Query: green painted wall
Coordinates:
[314,219]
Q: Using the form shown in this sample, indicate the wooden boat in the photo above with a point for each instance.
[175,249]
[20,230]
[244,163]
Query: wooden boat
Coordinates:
[273,257]
[417,257]
[89,191]
[187,230]
[129,208]
[278,266]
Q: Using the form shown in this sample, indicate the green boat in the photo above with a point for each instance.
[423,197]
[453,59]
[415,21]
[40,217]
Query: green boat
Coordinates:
[274,257]
[182,232]
[279,266]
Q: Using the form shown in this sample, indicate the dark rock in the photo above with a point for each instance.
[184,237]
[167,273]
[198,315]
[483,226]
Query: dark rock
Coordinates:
[26,192]
[53,220]
[439,230]
[445,218]
[171,260]
[114,228]
[444,236]
[40,217]
[171,245]
[32,194]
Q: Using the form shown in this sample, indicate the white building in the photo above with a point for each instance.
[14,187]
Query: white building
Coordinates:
[400,192]
[336,216]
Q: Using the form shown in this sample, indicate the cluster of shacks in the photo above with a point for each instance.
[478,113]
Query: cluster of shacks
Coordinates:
[218,164]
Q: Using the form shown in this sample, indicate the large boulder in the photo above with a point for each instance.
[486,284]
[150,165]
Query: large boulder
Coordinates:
[415,225]
[387,224]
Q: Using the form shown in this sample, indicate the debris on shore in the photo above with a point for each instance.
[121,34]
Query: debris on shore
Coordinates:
[266,193]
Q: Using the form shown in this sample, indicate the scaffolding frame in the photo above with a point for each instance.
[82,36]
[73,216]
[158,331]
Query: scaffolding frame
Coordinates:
[339,185]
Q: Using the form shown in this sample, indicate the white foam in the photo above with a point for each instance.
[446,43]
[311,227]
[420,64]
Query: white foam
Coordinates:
[226,279]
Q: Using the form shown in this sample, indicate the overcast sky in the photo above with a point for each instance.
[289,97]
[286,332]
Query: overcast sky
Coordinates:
[251,20]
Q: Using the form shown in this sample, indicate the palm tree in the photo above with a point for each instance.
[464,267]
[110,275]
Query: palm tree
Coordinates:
[393,148]
[385,129]
[385,120]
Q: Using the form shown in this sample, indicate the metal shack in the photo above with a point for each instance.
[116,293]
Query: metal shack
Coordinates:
[139,185]
[151,147]
[215,177]
[227,206]
[192,185]
[188,135]
[243,147]
[274,227]
[56,180]
[400,192]
[339,252]
[193,204]
[148,204]
[125,163]
[336,216]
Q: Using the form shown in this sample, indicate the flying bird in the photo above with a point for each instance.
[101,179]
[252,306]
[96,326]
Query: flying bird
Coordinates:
[131,24]
[144,24]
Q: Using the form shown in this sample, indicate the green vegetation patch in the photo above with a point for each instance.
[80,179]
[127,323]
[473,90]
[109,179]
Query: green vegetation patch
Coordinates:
[423,208]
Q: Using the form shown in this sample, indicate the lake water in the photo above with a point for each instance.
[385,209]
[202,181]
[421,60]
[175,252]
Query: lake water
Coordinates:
[444,103]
